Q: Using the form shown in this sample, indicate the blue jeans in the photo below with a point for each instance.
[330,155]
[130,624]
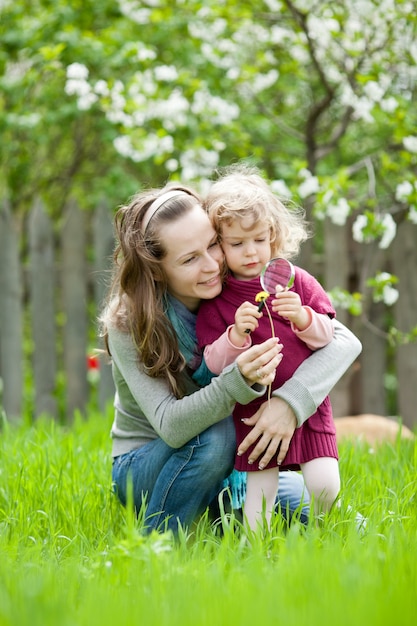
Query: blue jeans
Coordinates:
[176,484]
[293,497]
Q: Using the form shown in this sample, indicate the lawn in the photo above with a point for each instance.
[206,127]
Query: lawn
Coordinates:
[70,555]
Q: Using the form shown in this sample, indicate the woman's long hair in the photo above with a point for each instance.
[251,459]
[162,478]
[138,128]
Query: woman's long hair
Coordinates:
[136,302]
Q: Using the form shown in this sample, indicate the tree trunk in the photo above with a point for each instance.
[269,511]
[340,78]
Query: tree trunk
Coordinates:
[404,263]
[374,341]
[336,271]
[42,291]
[11,317]
[74,285]
[103,250]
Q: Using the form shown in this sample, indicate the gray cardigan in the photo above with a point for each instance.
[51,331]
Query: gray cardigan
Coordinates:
[145,408]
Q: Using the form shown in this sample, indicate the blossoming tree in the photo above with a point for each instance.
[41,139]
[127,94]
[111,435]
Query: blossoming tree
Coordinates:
[320,95]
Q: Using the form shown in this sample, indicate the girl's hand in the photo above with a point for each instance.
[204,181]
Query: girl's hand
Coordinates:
[274,425]
[258,363]
[288,304]
[246,320]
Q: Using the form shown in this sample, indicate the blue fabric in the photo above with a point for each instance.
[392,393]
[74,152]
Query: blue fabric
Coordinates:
[184,323]
[236,484]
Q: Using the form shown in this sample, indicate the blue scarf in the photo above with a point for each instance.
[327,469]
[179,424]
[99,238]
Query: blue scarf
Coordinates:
[184,323]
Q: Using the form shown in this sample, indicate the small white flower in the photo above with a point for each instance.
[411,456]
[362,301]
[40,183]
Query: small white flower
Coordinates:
[389,295]
[101,88]
[166,73]
[412,214]
[410,143]
[280,188]
[171,165]
[389,104]
[77,71]
[373,91]
[309,186]
[390,230]
[403,190]
[339,212]
[358,227]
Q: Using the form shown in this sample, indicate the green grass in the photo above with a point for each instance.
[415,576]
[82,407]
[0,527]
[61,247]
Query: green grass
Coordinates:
[70,555]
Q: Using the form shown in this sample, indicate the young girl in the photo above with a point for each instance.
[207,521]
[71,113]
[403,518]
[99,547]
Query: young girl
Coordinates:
[254,226]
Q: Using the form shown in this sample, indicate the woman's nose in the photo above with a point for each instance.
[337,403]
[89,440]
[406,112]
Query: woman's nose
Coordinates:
[210,262]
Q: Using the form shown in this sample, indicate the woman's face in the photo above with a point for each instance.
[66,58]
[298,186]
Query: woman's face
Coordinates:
[194,258]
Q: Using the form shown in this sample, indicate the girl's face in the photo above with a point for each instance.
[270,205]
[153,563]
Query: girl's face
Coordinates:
[247,247]
[194,258]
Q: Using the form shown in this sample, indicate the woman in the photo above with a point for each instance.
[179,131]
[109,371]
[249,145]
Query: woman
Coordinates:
[173,439]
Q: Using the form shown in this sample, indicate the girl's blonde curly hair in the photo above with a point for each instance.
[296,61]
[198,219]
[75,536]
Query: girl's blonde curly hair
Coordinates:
[241,192]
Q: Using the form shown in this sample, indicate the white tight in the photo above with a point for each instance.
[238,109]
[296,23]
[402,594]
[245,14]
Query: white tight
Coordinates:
[322,481]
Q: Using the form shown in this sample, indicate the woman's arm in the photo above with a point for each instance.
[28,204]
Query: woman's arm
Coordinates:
[176,421]
[317,375]
[298,398]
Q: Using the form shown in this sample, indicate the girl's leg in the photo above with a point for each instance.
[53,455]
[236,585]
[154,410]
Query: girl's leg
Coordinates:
[177,484]
[322,480]
[260,486]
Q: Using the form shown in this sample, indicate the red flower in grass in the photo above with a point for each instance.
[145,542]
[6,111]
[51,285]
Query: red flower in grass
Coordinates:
[93,368]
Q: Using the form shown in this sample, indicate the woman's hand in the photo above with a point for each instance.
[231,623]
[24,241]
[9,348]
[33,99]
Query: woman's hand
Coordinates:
[258,363]
[275,424]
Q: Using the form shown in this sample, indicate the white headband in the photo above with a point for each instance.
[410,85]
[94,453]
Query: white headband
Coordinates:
[156,204]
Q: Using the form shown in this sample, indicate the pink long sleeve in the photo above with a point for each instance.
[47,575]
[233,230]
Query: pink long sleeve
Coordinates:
[320,331]
[222,352]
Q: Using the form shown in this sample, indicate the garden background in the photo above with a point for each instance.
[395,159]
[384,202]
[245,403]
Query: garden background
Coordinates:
[100,99]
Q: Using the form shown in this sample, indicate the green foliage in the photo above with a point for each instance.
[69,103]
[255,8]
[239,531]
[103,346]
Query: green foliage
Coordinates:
[70,554]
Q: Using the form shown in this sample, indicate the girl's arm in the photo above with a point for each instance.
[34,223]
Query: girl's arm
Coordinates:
[222,352]
[318,333]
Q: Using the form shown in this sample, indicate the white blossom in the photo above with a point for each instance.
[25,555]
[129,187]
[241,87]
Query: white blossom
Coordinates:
[358,227]
[373,91]
[403,190]
[412,214]
[389,295]
[389,104]
[77,71]
[309,186]
[152,145]
[171,165]
[220,111]
[129,9]
[280,188]
[390,229]
[101,88]
[410,143]
[197,163]
[77,87]
[86,101]
[264,81]
[338,212]
[166,73]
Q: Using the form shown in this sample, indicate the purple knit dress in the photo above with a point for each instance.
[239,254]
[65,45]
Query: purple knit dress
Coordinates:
[317,437]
